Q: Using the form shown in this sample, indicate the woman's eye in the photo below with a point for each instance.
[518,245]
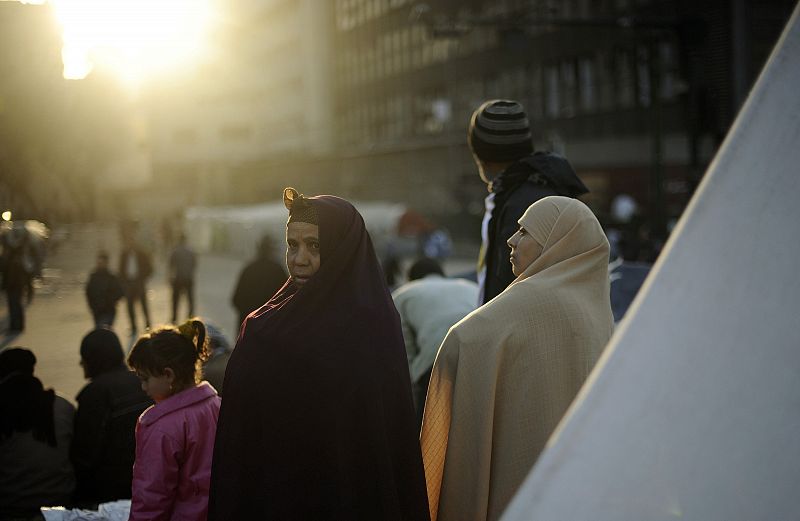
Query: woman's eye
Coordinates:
[314,245]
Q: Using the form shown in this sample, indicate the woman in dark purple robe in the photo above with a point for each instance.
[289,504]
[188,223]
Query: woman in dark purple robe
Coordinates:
[317,420]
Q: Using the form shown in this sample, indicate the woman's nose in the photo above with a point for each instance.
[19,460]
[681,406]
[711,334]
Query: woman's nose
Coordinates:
[302,257]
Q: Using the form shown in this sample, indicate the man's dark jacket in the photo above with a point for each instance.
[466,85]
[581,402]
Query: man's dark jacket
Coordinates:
[144,266]
[103,291]
[516,188]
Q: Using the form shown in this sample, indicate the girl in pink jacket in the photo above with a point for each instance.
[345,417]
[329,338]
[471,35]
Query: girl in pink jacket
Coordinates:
[174,437]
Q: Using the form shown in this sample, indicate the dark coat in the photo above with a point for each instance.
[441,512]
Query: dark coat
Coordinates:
[516,188]
[142,261]
[317,420]
[14,273]
[104,445]
[257,283]
[103,291]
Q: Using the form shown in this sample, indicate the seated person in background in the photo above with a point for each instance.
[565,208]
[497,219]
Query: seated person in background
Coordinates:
[214,369]
[104,444]
[507,373]
[35,433]
[429,304]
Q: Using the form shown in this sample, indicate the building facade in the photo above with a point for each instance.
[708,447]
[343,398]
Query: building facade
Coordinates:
[370,99]
[262,94]
[637,94]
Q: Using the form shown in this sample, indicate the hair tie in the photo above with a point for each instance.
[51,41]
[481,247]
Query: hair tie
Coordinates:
[188,331]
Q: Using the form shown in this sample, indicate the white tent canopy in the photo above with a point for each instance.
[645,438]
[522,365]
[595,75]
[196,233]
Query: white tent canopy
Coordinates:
[694,410]
[238,229]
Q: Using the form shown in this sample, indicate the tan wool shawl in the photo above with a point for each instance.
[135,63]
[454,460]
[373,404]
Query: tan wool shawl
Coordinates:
[506,373]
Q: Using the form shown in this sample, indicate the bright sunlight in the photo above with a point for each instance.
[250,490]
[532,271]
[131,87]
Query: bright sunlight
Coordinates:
[135,38]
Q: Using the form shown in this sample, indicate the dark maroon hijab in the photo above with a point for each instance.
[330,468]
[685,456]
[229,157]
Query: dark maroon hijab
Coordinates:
[317,420]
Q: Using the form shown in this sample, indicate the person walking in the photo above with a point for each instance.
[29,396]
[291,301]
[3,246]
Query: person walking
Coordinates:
[135,268]
[506,374]
[17,266]
[258,281]
[182,265]
[103,291]
[500,138]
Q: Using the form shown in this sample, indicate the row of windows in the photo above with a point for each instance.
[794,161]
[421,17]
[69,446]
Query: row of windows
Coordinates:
[354,13]
[244,132]
[606,81]
[402,50]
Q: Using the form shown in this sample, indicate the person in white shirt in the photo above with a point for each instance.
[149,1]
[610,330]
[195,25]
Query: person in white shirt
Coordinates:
[429,305]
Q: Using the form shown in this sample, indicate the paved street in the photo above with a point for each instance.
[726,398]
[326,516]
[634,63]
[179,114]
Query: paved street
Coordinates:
[58,317]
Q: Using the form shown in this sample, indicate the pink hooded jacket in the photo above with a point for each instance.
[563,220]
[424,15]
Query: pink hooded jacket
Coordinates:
[174,446]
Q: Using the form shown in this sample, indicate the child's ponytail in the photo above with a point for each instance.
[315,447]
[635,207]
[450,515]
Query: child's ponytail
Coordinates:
[195,331]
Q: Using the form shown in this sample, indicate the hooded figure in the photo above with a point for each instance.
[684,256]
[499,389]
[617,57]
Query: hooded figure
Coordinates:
[35,433]
[104,445]
[506,373]
[500,139]
[317,420]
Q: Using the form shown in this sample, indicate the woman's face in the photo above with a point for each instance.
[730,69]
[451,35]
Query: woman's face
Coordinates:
[302,251]
[524,250]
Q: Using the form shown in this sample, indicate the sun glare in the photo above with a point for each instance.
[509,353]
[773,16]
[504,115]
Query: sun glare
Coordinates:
[135,38]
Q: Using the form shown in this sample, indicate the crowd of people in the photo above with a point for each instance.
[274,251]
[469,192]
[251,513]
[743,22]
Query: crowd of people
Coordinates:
[341,399]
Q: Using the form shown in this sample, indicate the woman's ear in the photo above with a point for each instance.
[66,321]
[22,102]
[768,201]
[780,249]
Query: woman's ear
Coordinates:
[170,374]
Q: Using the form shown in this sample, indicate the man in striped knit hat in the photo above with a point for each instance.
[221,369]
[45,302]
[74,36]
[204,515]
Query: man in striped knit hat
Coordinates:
[502,145]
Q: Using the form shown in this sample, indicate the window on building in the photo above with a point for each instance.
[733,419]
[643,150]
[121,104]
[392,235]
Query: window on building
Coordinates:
[536,95]
[667,63]
[643,87]
[604,74]
[184,136]
[552,94]
[624,79]
[235,132]
[569,88]
[586,84]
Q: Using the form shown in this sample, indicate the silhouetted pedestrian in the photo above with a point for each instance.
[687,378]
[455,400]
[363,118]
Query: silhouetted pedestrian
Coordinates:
[103,291]
[182,265]
[135,268]
[258,281]
[17,267]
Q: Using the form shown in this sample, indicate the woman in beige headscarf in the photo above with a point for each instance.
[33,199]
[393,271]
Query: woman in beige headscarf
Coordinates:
[506,373]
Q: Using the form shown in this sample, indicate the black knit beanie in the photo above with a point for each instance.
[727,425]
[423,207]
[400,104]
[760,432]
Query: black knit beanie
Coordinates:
[499,132]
